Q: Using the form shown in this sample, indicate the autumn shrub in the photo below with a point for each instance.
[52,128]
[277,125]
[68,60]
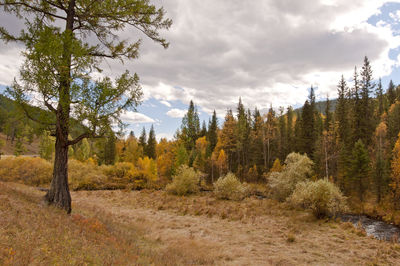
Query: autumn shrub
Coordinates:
[186,181]
[86,176]
[297,168]
[27,170]
[229,187]
[322,197]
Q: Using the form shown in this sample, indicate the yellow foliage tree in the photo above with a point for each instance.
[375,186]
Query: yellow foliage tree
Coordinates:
[222,162]
[147,169]
[165,151]
[276,167]
[395,175]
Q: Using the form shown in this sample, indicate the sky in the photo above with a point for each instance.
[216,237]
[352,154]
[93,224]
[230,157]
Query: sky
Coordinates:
[268,52]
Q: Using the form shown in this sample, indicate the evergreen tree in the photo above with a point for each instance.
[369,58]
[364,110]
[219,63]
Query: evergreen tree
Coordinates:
[212,132]
[143,140]
[391,94]
[307,129]
[328,115]
[357,109]
[379,97]
[366,110]
[151,144]
[360,169]
[289,130]
[241,133]
[203,131]
[190,128]
[282,135]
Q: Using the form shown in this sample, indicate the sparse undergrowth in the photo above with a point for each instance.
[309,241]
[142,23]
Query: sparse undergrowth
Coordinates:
[154,227]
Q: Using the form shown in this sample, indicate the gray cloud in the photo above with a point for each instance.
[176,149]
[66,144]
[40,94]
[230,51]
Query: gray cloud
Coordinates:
[265,51]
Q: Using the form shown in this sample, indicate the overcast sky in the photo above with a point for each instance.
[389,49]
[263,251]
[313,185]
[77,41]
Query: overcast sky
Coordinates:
[265,51]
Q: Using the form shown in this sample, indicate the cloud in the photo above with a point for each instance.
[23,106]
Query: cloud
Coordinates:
[136,118]
[176,113]
[166,103]
[266,51]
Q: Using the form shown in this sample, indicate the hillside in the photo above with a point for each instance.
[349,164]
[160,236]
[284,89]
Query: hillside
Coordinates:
[143,228]
[8,149]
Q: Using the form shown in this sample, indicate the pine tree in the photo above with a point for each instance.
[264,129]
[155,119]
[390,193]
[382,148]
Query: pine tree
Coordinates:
[307,129]
[212,132]
[241,133]
[366,115]
[360,169]
[151,144]
[190,128]
[143,140]
[379,97]
[328,115]
[203,131]
[395,175]
[282,135]
[391,94]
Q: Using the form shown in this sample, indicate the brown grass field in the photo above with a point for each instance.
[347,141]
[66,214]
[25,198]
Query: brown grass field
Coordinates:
[154,228]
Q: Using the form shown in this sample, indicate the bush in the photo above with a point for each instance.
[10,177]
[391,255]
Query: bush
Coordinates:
[322,197]
[27,170]
[186,181]
[298,168]
[85,176]
[229,187]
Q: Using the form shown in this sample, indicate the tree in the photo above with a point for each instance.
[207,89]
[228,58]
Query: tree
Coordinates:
[381,166]
[379,97]
[360,168]
[46,146]
[395,174]
[212,132]
[391,94]
[143,139]
[109,149]
[190,128]
[59,62]
[151,144]
[366,110]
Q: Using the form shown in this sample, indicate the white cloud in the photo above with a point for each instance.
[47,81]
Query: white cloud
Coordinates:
[176,113]
[136,118]
[166,103]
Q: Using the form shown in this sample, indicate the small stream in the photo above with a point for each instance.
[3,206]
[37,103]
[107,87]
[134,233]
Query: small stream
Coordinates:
[376,228]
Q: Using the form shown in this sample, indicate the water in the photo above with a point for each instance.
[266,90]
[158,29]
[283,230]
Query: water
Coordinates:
[372,227]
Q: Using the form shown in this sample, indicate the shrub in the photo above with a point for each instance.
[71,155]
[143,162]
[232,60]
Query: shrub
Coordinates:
[28,170]
[186,181]
[229,187]
[85,176]
[322,197]
[298,168]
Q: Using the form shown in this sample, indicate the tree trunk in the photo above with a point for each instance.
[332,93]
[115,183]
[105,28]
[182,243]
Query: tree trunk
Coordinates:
[59,195]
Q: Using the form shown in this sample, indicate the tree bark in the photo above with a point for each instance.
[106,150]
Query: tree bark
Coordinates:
[59,195]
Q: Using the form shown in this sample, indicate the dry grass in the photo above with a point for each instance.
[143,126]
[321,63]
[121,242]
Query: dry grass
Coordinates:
[119,227]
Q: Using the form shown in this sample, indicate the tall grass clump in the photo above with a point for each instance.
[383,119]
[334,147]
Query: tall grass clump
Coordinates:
[297,168]
[229,187]
[322,197]
[186,181]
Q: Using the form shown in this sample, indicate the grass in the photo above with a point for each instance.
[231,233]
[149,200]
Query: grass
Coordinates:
[153,227]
